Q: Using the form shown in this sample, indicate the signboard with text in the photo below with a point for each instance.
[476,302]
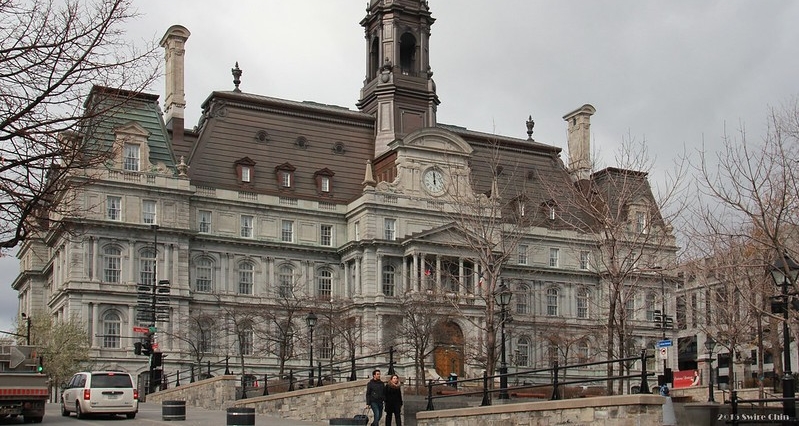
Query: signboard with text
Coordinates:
[686,379]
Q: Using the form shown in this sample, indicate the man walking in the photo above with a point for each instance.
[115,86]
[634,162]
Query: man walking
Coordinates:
[375,395]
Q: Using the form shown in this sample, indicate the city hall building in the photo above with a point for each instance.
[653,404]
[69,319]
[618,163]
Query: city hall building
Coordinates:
[269,209]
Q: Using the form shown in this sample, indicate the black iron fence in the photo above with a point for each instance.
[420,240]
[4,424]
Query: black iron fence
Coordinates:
[556,383]
[737,417]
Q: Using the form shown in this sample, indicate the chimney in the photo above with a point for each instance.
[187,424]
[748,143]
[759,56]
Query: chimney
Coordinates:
[579,140]
[174,42]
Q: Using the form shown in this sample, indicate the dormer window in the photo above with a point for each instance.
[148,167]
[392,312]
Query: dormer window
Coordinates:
[324,181]
[245,170]
[551,212]
[131,157]
[285,175]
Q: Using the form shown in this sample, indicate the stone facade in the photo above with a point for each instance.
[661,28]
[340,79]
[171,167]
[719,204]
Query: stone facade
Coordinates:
[211,394]
[625,410]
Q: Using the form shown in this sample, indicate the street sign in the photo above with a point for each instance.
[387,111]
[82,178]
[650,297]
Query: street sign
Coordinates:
[140,329]
[664,353]
[664,343]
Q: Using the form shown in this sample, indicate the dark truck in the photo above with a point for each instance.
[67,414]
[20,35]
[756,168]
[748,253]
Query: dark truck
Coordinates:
[24,391]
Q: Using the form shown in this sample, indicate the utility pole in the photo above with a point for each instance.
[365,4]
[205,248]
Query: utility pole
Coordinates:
[152,320]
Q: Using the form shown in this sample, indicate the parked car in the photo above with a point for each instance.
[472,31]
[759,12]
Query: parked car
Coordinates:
[100,392]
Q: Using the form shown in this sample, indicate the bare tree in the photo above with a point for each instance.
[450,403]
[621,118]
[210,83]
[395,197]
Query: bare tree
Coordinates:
[51,55]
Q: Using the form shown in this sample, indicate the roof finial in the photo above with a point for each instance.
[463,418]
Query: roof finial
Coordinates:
[530,124]
[236,77]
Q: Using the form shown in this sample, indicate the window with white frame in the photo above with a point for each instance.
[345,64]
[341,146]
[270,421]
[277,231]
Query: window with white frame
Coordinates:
[324,284]
[112,330]
[522,300]
[204,221]
[585,260]
[287,231]
[113,207]
[326,235]
[204,271]
[147,266]
[247,226]
[285,281]
[286,178]
[246,173]
[582,351]
[324,183]
[551,212]
[552,301]
[650,306]
[523,357]
[131,155]
[582,304]
[246,278]
[325,349]
[553,351]
[629,307]
[388,280]
[554,255]
[112,264]
[522,254]
[204,335]
[148,211]
[390,228]
[640,222]
[247,340]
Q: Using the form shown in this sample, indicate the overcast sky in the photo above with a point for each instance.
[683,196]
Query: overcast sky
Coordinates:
[668,72]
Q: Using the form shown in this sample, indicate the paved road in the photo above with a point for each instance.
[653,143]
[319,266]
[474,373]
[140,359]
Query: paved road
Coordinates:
[150,414]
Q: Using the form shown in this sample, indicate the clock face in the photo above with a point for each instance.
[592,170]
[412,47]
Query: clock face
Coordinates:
[434,180]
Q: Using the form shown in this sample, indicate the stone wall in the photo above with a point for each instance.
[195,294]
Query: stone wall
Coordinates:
[213,394]
[340,400]
[622,410]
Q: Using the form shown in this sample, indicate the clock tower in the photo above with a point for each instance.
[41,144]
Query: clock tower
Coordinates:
[399,89]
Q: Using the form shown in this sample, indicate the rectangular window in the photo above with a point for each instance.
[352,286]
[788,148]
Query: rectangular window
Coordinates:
[204,271]
[552,302]
[246,226]
[326,234]
[552,213]
[111,332]
[640,222]
[585,260]
[245,174]
[522,255]
[357,231]
[325,184]
[204,224]
[582,305]
[247,342]
[287,231]
[131,157]
[148,211]
[113,208]
[553,257]
[390,228]
[286,179]
[113,267]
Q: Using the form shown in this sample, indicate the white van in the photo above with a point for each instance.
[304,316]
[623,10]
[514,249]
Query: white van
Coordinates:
[100,392]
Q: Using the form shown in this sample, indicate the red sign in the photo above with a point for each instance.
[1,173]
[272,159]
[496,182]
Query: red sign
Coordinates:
[155,346]
[141,329]
[686,379]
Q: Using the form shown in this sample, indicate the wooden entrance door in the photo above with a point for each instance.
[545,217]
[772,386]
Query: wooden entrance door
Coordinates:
[448,352]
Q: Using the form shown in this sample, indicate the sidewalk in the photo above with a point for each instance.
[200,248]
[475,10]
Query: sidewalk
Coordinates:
[202,417]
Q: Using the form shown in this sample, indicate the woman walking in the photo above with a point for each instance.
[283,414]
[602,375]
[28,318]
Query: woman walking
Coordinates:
[393,400]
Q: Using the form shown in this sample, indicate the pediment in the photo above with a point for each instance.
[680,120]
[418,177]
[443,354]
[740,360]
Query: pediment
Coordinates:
[132,128]
[446,235]
[433,139]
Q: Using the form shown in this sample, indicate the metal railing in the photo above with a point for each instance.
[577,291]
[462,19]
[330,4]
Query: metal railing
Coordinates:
[737,418]
[555,383]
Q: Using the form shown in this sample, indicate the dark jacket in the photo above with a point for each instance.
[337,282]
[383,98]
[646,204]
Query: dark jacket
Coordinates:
[375,392]
[393,396]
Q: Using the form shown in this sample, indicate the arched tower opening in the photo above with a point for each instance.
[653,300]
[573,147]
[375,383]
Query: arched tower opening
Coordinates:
[408,54]
[374,58]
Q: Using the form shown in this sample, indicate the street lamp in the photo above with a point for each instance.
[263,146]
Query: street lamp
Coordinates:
[502,297]
[311,321]
[28,328]
[784,273]
[709,345]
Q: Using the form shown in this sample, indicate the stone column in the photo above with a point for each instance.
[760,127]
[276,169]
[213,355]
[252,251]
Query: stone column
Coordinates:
[439,287]
[379,280]
[415,272]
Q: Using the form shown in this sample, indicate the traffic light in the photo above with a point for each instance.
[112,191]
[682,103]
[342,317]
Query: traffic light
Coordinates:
[147,345]
[157,359]
[40,365]
[137,348]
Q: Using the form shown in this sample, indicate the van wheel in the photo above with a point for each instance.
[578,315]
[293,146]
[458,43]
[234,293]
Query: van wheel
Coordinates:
[130,415]
[78,413]
[64,411]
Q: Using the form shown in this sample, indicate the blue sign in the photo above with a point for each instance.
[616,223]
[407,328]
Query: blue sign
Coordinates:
[664,343]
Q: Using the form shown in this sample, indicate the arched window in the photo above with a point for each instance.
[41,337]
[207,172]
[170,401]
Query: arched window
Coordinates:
[388,280]
[650,306]
[147,266]
[553,352]
[246,339]
[204,275]
[523,300]
[111,329]
[523,346]
[112,264]
[629,307]
[408,54]
[552,301]
[582,351]
[324,284]
[285,281]
[246,278]
[582,304]
[374,58]
[204,335]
